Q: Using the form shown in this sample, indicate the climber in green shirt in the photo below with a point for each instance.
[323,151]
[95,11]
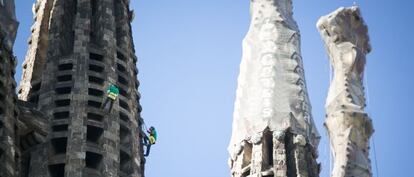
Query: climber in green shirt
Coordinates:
[149,141]
[113,93]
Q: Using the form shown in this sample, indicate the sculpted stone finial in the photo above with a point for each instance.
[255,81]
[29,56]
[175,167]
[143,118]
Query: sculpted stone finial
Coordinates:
[272,114]
[346,39]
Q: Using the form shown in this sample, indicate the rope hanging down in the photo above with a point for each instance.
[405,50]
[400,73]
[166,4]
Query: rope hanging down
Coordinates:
[370,113]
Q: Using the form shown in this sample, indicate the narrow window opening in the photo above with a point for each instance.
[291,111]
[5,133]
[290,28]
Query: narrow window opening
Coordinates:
[36,87]
[95,92]
[61,115]
[64,78]
[93,5]
[121,68]
[247,158]
[63,90]
[93,160]
[57,170]
[124,164]
[124,135]
[122,80]
[96,68]
[96,57]
[268,149]
[60,128]
[123,117]
[124,105]
[123,92]
[120,56]
[62,103]
[93,18]
[64,67]
[96,80]
[59,145]
[94,134]
[93,116]
[94,104]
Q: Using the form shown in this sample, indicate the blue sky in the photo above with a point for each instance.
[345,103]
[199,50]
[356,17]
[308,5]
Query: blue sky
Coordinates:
[189,53]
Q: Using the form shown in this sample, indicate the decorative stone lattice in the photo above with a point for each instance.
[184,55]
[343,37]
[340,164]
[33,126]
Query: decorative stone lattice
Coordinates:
[273,130]
[349,127]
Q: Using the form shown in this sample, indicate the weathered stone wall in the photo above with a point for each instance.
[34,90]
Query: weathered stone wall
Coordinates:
[32,130]
[273,130]
[8,23]
[349,127]
[71,62]
[8,112]
[9,155]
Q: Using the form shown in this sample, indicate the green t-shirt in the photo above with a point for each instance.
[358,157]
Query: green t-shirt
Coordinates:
[113,89]
[154,134]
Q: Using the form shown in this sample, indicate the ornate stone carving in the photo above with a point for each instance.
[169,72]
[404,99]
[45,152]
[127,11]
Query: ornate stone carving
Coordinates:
[349,127]
[272,106]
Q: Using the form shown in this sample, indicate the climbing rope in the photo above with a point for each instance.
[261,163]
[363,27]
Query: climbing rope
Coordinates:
[369,112]
[144,126]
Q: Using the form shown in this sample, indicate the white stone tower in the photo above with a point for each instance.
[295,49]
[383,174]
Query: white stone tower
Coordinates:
[273,130]
[349,127]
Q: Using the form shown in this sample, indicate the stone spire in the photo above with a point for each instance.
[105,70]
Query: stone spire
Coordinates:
[349,127]
[273,129]
[77,49]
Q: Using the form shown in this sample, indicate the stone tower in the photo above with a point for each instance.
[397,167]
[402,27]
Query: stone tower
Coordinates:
[8,108]
[76,50]
[273,130]
[349,127]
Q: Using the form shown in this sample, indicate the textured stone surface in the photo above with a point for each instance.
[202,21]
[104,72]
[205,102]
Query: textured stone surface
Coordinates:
[76,50]
[8,24]
[34,62]
[349,127]
[8,108]
[273,130]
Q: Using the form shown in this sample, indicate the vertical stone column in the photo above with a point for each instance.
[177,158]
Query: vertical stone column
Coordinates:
[272,108]
[106,31]
[76,155]
[349,127]
[131,151]
[8,112]
[9,152]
